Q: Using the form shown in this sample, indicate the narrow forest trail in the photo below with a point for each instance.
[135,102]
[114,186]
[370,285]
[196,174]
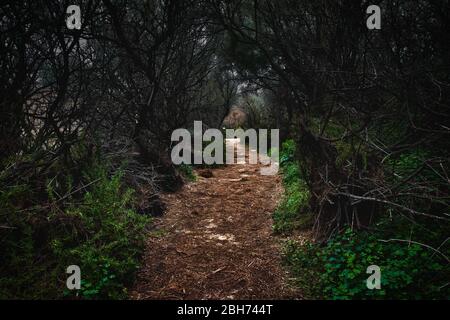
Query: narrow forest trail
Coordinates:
[215,241]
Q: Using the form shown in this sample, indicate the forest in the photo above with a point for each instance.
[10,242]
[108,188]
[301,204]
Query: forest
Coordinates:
[89,100]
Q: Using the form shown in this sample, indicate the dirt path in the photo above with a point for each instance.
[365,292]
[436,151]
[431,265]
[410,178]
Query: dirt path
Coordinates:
[215,241]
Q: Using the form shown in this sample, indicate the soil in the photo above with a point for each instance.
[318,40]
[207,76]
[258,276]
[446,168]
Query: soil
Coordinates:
[215,240]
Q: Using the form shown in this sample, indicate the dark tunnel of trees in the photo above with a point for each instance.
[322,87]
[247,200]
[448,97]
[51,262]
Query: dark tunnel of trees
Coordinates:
[367,110]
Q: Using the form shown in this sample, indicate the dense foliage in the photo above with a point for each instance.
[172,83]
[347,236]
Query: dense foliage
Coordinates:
[292,213]
[96,229]
[336,269]
[365,113]
[369,111]
[110,93]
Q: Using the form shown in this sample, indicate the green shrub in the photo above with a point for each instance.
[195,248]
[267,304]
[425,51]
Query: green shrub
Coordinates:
[99,231]
[337,270]
[20,275]
[110,254]
[187,171]
[413,162]
[292,211]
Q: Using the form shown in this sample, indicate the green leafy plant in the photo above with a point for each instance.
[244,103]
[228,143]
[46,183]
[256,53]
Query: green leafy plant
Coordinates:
[114,239]
[408,271]
[97,229]
[292,211]
[336,269]
[187,171]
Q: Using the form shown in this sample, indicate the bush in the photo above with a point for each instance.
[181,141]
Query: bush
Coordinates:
[187,171]
[337,269]
[98,231]
[292,211]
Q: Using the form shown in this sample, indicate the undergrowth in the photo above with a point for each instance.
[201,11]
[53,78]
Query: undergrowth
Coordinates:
[292,212]
[337,268]
[95,228]
[187,171]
